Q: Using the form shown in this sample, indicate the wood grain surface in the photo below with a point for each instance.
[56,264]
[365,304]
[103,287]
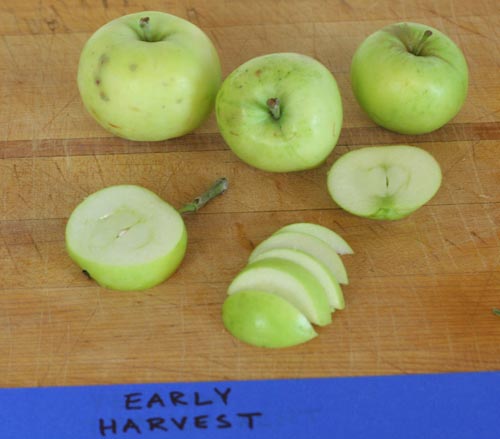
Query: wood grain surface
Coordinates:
[422,289]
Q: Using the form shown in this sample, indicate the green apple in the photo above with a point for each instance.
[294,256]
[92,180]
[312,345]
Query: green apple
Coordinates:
[288,280]
[309,244]
[125,237]
[316,268]
[265,320]
[292,278]
[409,78]
[280,112]
[321,232]
[149,76]
[384,182]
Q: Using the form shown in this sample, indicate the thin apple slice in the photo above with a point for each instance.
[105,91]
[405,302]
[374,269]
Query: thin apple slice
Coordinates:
[316,268]
[384,182]
[289,281]
[309,244]
[265,320]
[126,237]
[324,233]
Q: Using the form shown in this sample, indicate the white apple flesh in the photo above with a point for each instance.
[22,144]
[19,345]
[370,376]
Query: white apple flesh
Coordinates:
[125,237]
[384,182]
[149,76]
[316,268]
[280,112]
[309,244]
[291,282]
[327,235]
[265,320]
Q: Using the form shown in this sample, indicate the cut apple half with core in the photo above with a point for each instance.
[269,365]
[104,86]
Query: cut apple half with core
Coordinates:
[324,233]
[309,244]
[126,237]
[265,320]
[316,268]
[384,182]
[289,281]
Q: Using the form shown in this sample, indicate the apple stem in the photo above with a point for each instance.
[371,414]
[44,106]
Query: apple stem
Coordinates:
[218,188]
[422,41]
[274,107]
[146,29]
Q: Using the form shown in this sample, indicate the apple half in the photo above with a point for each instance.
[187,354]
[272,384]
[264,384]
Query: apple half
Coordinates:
[291,282]
[265,320]
[125,237]
[309,244]
[384,182]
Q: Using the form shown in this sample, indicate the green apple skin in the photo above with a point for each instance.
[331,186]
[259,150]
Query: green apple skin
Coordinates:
[315,267]
[265,320]
[149,90]
[306,243]
[288,280]
[308,127]
[406,92]
[126,238]
[384,182]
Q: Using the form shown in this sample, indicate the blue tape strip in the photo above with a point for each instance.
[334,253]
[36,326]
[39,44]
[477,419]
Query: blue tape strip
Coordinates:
[456,405]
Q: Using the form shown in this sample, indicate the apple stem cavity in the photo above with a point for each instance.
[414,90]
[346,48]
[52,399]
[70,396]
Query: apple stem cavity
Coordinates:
[274,107]
[218,188]
[425,36]
[147,34]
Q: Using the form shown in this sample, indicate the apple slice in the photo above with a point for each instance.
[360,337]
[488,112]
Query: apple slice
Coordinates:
[126,237]
[265,320]
[309,244]
[384,182]
[324,233]
[289,281]
[316,268]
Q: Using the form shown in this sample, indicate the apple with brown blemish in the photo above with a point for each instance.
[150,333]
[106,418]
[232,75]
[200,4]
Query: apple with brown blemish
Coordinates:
[149,76]
[280,112]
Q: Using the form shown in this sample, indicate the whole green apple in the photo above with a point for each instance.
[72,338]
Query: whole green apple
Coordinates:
[409,78]
[280,112]
[149,76]
[289,280]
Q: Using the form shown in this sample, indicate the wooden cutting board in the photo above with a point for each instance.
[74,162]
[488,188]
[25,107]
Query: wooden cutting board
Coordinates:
[422,289]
